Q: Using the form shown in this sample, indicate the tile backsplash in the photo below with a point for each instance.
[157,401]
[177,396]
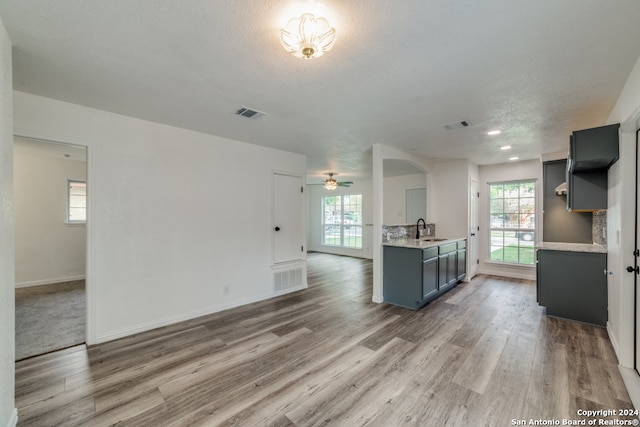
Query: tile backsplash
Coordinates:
[599,227]
[392,232]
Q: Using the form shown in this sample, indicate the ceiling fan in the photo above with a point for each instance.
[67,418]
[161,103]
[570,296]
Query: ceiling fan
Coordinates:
[332,184]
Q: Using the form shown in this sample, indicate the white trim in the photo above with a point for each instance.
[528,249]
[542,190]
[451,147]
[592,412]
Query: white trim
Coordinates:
[90,321]
[529,274]
[632,123]
[632,383]
[614,342]
[13,420]
[42,282]
[144,327]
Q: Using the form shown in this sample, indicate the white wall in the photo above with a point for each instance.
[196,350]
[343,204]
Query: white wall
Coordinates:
[175,216]
[314,218]
[530,169]
[620,223]
[380,153]
[395,200]
[451,199]
[8,413]
[48,250]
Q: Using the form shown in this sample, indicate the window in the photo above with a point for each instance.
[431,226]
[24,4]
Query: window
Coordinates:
[76,201]
[342,221]
[512,222]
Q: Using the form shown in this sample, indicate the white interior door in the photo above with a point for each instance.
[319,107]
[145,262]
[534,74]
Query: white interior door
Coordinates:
[472,256]
[288,218]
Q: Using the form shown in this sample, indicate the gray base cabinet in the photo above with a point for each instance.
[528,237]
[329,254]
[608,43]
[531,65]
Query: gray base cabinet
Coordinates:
[573,285]
[414,276]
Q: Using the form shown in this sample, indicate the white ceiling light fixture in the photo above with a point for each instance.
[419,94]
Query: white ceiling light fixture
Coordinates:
[307,36]
[494,132]
[505,147]
[514,158]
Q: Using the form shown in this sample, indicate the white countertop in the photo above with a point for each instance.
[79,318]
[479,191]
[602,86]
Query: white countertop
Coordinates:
[572,247]
[420,244]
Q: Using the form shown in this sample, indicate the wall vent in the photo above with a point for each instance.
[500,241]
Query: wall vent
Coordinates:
[287,279]
[457,125]
[249,113]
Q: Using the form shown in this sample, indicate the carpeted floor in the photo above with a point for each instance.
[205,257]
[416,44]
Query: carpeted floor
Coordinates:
[49,317]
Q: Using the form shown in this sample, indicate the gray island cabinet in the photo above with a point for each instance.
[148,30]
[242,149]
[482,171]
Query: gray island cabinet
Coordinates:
[572,282]
[415,274]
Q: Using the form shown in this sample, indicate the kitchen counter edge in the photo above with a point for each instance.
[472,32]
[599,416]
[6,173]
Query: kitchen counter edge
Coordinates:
[572,247]
[420,244]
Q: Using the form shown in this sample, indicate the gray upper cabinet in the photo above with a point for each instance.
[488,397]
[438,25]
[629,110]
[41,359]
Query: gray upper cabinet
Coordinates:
[591,153]
[593,149]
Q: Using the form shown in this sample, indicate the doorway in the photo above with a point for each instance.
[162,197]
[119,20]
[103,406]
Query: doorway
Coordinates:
[50,201]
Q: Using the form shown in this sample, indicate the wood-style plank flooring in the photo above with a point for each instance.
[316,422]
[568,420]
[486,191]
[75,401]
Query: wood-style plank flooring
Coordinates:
[484,354]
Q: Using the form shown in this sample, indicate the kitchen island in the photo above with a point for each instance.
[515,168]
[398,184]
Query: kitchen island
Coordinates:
[416,272]
[571,281]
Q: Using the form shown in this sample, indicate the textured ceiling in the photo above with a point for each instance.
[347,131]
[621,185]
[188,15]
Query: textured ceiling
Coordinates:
[536,69]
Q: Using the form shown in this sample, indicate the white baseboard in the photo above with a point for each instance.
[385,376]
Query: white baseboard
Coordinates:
[507,272]
[13,421]
[632,383]
[49,281]
[188,316]
[614,342]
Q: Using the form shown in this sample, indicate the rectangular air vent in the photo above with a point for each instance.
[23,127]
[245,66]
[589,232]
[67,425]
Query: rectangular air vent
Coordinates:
[249,113]
[287,279]
[457,125]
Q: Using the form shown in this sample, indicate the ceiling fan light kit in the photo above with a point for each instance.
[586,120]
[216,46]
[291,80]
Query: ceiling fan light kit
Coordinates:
[307,36]
[332,184]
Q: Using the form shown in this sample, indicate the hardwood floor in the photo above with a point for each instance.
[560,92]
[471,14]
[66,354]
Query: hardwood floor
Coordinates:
[484,354]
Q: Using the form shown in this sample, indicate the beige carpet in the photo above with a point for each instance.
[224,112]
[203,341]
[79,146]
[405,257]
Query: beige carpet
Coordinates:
[49,318]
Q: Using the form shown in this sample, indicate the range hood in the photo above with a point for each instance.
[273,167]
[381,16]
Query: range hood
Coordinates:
[561,190]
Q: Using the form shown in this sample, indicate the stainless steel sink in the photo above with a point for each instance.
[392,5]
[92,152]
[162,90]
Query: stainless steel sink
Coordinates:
[434,239]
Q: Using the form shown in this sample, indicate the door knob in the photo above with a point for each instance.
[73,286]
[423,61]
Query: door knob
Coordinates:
[630,269]
[277,228]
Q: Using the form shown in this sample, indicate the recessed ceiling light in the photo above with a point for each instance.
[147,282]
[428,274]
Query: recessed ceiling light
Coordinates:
[493,132]
[505,147]
[513,158]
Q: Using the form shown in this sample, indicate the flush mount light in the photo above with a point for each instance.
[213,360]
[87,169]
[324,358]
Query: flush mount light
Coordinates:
[505,147]
[307,36]
[513,158]
[493,132]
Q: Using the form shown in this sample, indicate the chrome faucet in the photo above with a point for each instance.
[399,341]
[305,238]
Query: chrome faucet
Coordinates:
[424,227]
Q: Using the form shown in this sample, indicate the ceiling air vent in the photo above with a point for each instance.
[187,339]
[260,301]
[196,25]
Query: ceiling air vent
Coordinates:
[249,113]
[457,125]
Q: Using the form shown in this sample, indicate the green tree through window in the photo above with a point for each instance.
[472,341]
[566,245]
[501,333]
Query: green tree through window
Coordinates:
[512,221]
[342,221]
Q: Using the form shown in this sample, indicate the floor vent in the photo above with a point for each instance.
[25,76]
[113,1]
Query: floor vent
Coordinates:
[287,279]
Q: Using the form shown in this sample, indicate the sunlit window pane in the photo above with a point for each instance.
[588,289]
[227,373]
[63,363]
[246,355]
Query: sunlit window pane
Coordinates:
[76,201]
[342,221]
[512,222]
